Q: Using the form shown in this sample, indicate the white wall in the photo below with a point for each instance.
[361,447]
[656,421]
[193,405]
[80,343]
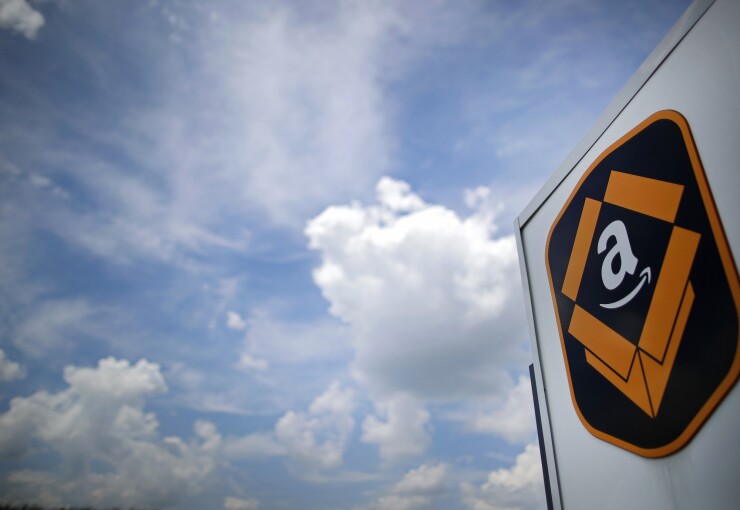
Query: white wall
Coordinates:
[701,80]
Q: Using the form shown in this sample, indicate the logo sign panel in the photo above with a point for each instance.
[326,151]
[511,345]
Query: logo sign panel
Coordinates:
[646,292]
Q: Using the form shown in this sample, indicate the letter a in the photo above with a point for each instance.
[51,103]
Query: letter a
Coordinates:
[627,260]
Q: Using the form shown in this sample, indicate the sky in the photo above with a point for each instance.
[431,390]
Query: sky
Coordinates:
[260,255]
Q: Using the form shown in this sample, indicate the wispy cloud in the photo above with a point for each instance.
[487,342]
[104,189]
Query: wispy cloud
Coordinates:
[55,326]
[279,339]
[295,118]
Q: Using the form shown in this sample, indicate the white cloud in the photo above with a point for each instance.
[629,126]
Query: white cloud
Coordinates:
[254,445]
[424,480]
[51,417]
[520,487]
[282,341]
[116,379]
[513,417]
[316,440]
[37,486]
[249,363]
[311,112]
[295,118]
[100,418]
[433,300]
[417,490]
[235,321]
[231,503]
[397,196]
[401,430]
[53,326]
[134,220]
[181,375]
[10,370]
[19,16]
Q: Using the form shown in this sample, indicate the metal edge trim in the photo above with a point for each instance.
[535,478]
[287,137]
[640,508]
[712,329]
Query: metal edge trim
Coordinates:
[547,438]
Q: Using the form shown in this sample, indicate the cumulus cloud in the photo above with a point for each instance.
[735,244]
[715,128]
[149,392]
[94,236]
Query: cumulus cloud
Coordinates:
[19,16]
[103,416]
[513,417]
[401,430]
[424,480]
[433,300]
[317,439]
[520,487]
[10,370]
[38,486]
[417,490]
[99,419]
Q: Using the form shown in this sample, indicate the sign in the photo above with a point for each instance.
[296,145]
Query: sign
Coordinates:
[645,290]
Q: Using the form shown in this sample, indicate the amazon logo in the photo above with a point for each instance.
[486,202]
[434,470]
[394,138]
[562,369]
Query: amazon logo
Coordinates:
[621,254]
[645,291]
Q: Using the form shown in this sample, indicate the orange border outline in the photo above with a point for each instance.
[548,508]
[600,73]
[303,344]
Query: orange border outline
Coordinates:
[727,262]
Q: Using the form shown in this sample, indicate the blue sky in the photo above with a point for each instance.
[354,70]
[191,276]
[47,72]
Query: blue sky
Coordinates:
[259,255]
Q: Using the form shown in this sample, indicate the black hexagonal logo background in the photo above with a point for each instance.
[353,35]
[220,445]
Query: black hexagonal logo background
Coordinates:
[646,291]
